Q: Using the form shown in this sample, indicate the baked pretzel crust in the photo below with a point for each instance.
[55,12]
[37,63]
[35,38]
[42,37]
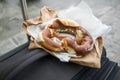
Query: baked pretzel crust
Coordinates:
[78,45]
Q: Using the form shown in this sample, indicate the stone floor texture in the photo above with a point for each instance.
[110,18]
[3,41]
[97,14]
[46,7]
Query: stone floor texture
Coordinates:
[12,35]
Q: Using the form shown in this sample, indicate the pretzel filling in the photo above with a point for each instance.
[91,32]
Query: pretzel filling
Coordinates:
[54,41]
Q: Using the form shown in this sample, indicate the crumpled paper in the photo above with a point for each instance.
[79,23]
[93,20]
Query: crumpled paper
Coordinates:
[32,27]
[84,16]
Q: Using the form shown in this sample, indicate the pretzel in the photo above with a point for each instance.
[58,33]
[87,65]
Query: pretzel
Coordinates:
[52,39]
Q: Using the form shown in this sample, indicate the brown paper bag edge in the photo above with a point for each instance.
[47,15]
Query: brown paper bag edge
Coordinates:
[82,61]
[93,59]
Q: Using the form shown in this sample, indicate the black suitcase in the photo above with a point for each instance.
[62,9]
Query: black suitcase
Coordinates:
[24,64]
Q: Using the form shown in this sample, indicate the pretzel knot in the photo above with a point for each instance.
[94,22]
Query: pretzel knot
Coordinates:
[54,37]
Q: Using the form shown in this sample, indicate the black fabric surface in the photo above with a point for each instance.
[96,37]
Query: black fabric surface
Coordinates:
[49,68]
[9,64]
[24,64]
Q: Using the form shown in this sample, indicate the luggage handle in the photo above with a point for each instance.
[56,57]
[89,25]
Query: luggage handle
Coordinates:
[25,13]
[24,9]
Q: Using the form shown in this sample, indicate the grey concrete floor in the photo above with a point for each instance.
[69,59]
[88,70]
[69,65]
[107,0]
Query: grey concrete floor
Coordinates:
[12,35]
